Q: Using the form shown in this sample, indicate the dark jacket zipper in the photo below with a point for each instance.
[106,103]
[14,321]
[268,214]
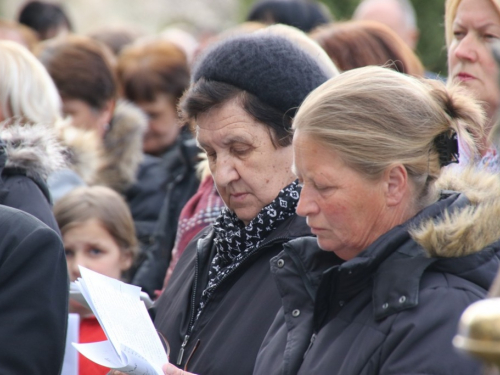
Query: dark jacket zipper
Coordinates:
[311,343]
[193,299]
[193,308]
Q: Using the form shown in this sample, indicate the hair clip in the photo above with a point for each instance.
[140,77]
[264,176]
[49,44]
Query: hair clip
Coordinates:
[447,147]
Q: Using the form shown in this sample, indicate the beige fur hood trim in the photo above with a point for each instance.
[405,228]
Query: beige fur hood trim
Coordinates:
[470,229]
[84,151]
[34,148]
[123,147]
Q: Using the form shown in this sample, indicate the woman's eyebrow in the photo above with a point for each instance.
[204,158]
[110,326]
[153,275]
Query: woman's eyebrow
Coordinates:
[236,139]
[488,25]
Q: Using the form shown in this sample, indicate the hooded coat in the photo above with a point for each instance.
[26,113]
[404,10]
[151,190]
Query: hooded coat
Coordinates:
[394,308]
[29,154]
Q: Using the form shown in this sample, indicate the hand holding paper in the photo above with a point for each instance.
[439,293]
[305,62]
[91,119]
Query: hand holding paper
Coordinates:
[133,345]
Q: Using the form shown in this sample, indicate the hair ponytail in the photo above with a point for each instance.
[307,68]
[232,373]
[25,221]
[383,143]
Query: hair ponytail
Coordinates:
[465,115]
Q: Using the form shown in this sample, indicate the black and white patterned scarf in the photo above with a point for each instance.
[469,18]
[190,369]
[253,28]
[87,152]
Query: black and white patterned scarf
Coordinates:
[234,241]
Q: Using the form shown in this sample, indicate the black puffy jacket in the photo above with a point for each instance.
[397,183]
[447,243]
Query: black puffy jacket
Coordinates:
[394,308]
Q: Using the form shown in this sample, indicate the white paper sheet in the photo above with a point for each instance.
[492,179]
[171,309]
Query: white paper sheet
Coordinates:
[133,343]
[104,354]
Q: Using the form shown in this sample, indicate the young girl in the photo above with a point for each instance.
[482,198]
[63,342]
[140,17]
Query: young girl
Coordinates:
[98,233]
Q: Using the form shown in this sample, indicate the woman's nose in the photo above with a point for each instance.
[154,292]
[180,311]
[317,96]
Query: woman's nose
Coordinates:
[306,206]
[225,172]
[467,48]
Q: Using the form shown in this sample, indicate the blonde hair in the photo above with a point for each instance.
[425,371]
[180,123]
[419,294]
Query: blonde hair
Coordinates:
[103,204]
[374,117]
[450,14]
[26,90]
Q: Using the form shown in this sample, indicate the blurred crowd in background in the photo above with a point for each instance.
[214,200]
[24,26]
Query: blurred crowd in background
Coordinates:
[95,145]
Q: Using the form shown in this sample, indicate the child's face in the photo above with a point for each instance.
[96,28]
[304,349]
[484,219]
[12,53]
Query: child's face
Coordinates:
[90,245]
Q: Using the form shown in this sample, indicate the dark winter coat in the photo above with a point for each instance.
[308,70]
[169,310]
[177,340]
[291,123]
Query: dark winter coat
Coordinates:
[33,296]
[178,165]
[28,155]
[229,332]
[394,308]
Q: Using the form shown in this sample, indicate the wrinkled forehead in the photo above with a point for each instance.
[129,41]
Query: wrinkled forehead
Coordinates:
[224,137]
[452,9]
[226,125]
[482,15]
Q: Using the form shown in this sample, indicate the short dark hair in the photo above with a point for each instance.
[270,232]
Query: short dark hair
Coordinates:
[81,69]
[150,68]
[205,95]
[302,14]
[42,17]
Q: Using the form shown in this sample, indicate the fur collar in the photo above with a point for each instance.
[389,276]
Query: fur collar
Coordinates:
[84,151]
[33,148]
[471,228]
[123,147]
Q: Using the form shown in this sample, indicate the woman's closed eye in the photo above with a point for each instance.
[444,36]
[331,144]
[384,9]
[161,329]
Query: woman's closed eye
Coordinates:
[240,150]
[490,37]
[321,187]
[211,155]
[458,34]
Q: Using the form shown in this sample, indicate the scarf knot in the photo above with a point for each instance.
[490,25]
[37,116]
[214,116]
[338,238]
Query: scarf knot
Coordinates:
[234,242]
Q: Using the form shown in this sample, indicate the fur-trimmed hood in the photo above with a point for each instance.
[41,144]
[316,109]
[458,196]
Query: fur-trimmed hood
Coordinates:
[470,227]
[83,149]
[33,148]
[123,145]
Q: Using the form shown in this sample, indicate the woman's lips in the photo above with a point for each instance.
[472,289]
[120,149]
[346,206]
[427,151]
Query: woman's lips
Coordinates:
[238,196]
[315,230]
[464,77]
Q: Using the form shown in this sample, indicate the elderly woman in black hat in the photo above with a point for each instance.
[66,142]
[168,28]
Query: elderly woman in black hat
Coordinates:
[221,298]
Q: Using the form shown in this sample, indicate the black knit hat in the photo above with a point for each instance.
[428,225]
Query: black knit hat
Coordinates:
[268,66]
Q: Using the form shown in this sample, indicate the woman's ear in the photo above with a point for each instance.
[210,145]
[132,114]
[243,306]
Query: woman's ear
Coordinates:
[396,182]
[105,116]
